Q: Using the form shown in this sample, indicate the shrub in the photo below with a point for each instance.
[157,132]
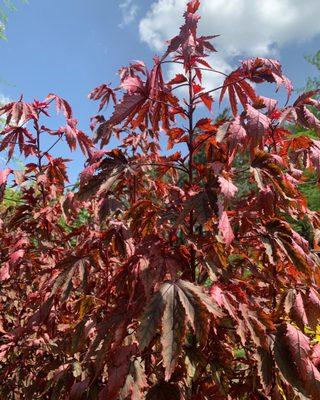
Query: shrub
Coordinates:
[156,277]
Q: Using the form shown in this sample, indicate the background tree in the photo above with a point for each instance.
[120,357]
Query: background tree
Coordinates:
[5,7]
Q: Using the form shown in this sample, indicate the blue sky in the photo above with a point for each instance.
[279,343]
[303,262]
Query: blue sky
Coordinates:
[70,46]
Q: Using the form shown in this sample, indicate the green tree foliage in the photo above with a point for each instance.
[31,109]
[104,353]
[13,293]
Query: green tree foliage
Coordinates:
[6,6]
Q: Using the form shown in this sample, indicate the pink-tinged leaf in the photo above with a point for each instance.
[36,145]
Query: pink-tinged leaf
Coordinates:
[304,115]
[308,119]
[266,70]
[257,124]
[225,229]
[103,93]
[3,181]
[133,84]
[61,105]
[315,154]
[270,104]
[236,132]
[71,131]
[315,355]
[19,111]
[85,143]
[288,86]
[186,40]
[293,357]
[16,256]
[4,272]
[228,189]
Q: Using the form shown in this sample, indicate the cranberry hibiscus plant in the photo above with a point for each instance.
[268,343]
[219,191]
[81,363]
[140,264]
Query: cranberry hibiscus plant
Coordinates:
[155,278]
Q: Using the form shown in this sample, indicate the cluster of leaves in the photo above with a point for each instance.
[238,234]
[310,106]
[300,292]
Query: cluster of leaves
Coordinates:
[156,278]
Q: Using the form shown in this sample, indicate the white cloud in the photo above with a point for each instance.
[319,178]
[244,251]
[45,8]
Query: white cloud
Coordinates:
[129,12]
[248,27]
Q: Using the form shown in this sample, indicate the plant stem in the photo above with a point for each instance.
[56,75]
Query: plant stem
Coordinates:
[190,170]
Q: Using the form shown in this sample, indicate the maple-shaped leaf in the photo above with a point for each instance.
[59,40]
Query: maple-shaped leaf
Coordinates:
[170,307]
[56,170]
[61,105]
[134,67]
[237,88]
[257,124]
[266,70]
[129,104]
[18,112]
[234,132]
[110,168]
[133,84]
[103,93]
[17,136]
[303,113]
[186,40]
[228,189]
[74,135]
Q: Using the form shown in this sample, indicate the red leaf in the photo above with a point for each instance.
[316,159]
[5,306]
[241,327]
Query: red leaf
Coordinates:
[193,6]
[3,181]
[61,105]
[207,100]
[103,93]
[128,105]
[179,78]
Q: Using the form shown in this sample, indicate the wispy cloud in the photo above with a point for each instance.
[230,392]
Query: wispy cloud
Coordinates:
[129,12]
[4,99]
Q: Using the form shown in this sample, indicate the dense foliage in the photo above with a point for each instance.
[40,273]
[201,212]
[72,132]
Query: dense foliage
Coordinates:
[157,277]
